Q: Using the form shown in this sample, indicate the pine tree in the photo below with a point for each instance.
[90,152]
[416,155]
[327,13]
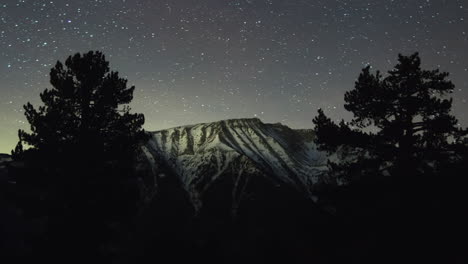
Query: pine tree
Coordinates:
[85,111]
[83,144]
[402,123]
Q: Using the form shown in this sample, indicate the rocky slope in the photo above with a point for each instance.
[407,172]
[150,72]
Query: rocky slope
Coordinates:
[237,151]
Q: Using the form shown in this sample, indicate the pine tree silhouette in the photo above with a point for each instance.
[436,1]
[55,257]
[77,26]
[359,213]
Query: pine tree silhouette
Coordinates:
[83,144]
[83,109]
[402,123]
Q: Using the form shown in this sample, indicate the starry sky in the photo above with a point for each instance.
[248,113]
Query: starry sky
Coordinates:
[204,60]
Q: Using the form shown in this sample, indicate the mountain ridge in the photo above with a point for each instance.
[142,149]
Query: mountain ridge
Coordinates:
[236,152]
[240,149]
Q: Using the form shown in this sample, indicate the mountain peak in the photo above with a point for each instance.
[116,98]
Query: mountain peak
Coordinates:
[227,122]
[203,154]
[254,120]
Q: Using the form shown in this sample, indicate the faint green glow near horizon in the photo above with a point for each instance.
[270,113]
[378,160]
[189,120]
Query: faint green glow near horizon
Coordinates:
[6,146]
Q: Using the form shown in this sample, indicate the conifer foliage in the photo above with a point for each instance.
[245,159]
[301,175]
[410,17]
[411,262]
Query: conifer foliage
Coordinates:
[86,109]
[402,123]
[80,155]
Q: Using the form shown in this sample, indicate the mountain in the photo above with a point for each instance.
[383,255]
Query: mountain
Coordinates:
[229,161]
[236,153]
[232,190]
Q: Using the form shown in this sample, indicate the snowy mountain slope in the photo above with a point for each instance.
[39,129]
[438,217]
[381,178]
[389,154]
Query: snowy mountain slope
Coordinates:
[203,154]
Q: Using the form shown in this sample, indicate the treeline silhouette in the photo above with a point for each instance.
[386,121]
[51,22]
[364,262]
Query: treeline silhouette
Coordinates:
[73,193]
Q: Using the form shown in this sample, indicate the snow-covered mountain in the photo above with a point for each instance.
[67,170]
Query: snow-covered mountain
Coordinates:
[236,151]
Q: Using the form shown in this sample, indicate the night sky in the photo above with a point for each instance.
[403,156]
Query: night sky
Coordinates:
[204,60]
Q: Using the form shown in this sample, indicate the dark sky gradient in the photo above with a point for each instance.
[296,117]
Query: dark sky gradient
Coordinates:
[204,60]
